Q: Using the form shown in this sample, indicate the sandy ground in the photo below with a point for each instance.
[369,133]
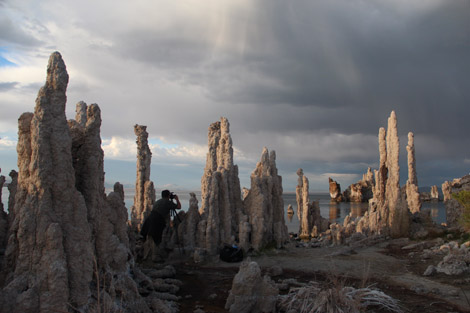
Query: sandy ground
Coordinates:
[385,266]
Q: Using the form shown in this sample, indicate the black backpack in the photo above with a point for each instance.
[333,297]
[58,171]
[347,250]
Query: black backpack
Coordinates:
[231,253]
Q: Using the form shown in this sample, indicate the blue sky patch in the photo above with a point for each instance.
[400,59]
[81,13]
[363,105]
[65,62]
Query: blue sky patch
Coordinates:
[4,61]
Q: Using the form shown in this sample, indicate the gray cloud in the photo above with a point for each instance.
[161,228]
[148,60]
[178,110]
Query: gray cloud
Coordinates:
[12,33]
[313,80]
[7,86]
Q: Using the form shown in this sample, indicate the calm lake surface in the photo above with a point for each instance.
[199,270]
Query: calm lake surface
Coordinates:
[335,212]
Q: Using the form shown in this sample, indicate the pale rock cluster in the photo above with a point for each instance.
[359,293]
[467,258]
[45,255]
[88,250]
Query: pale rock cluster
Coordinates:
[453,209]
[224,218]
[455,258]
[264,204]
[388,213]
[252,293]
[362,190]
[311,222]
[68,245]
[412,194]
[3,217]
[335,190]
[222,208]
[144,189]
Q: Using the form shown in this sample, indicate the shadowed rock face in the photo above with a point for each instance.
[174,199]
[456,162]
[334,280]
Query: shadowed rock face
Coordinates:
[3,216]
[412,194]
[453,208]
[64,229]
[49,248]
[250,292]
[311,222]
[335,190]
[222,208]
[388,210]
[264,204]
[361,191]
[144,190]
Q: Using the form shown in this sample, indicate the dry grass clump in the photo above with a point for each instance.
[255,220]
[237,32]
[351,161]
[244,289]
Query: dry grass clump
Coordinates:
[336,299]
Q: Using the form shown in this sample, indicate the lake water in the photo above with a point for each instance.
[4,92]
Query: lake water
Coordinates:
[334,212]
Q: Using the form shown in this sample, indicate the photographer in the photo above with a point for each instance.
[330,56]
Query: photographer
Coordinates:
[155,223]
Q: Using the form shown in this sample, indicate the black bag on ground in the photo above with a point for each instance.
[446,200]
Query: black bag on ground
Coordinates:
[231,253]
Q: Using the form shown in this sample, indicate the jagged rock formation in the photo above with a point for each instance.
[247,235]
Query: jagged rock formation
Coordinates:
[264,204]
[222,207]
[12,186]
[49,250]
[144,190]
[311,222]
[250,292]
[66,237]
[187,230]
[3,217]
[335,190]
[388,210]
[361,191]
[453,209]
[434,193]
[290,210]
[412,194]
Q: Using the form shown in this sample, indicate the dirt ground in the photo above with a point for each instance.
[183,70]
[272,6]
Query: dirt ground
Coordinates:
[385,266]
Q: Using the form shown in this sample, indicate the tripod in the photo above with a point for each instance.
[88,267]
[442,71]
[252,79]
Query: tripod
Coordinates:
[175,216]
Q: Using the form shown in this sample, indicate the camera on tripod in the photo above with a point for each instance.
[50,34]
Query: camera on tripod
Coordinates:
[172,195]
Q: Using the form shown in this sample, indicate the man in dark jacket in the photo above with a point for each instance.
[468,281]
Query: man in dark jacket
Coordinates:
[155,223]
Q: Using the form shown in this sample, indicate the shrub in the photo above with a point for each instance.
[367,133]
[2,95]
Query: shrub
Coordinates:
[463,197]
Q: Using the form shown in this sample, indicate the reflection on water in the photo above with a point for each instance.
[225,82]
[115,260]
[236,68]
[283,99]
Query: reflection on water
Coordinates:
[334,211]
[290,216]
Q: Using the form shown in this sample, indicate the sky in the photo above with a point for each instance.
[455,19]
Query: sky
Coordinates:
[313,80]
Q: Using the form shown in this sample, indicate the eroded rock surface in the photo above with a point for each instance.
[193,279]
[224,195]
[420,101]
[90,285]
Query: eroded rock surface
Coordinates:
[250,292]
[144,190]
[222,207]
[335,190]
[361,191]
[412,194]
[66,235]
[311,221]
[3,217]
[453,208]
[49,253]
[264,204]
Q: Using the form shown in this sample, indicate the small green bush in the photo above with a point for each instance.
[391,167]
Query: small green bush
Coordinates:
[463,197]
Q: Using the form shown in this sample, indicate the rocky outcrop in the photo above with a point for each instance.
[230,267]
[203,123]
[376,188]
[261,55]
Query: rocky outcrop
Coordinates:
[12,186]
[290,210]
[3,217]
[49,251]
[68,243]
[144,190]
[311,221]
[398,219]
[361,191]
[187,231]
[412,194]
[335,190]
[453,209]
[222,207]
[434,193]
[388,210]
[264,204]
[250,292]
